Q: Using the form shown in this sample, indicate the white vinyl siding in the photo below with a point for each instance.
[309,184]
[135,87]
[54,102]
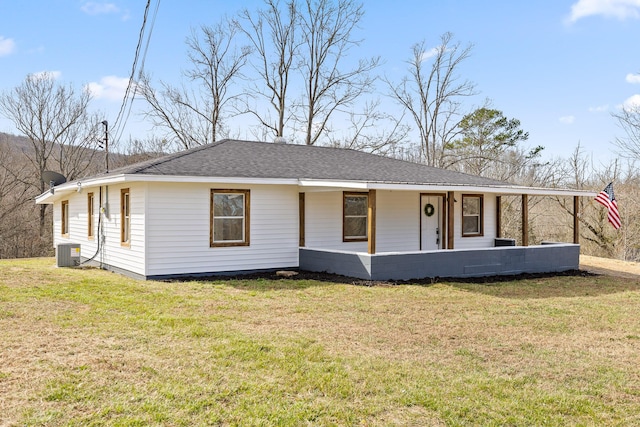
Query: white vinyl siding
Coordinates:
[175,238]
[77,232]
[489,224]
[127,258]
[132,256]
[397,221]
[323,219]
[179,230]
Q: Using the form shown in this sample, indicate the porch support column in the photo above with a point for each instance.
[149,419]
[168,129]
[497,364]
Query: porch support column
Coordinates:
[576,223]
[301,219]
[525,220]
[450,210]
[498,216]
[371,222]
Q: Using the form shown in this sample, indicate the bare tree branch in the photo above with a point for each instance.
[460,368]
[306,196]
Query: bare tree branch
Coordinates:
[326,30]
[431,94]
[196,116]
[56,122]
[629,120]
[272,33]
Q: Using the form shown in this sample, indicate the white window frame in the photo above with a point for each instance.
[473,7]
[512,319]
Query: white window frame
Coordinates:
[479,215]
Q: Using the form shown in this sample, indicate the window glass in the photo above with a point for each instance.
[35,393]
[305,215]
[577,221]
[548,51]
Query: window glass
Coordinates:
[65,217]
[355,216]
[228,205]
[471,215]
[471,206]
[125,213]
[90,215]
[229,217]
[470,225]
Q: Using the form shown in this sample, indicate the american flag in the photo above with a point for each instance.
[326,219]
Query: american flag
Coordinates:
[607,198]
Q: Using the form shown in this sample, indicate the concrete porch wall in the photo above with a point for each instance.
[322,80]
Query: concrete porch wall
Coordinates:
[546,258]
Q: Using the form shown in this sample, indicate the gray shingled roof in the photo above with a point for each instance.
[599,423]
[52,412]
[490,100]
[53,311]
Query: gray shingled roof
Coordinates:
[250,159]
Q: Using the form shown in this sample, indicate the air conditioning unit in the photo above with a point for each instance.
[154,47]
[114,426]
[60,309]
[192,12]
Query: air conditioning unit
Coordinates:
[68,255]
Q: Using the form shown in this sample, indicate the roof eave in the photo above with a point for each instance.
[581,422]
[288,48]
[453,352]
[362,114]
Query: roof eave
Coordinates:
[438,187]
[49,197]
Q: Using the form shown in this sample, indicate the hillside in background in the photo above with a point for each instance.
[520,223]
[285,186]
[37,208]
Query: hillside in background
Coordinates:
[20,142]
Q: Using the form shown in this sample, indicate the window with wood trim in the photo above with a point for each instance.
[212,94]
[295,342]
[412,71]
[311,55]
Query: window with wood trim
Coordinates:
[472,215]
[64,229]
[354,218]
[90,201]
[229,218]
[125,217]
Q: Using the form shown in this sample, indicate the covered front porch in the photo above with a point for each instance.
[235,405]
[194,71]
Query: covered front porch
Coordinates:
[432,232]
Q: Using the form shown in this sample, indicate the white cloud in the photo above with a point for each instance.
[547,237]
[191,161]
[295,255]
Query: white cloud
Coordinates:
[111,88]
[55,75]
[126,15]
[599,108]
[632,103]
[567,119]
[620,9]
[430,53]
[633,78]
[95,8]
[7,46]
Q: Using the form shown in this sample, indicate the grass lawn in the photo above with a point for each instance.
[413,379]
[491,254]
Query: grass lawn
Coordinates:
[88,347]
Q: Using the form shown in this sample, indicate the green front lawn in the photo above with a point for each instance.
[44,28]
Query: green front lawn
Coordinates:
[89,347]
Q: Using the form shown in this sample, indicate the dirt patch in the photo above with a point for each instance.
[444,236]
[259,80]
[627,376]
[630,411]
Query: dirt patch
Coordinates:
[610,267]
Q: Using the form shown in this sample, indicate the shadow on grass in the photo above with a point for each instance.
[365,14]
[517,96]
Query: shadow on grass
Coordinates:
[574,283]
[269,281]
[571,284]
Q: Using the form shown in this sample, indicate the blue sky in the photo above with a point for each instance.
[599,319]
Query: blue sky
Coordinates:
[559,66]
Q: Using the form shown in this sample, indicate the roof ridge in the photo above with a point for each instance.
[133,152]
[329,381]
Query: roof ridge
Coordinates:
[381,156]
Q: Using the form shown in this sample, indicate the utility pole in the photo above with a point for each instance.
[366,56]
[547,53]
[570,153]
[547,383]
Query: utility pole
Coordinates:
[106,143]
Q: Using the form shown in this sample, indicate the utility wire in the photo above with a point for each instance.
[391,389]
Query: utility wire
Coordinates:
[129,95]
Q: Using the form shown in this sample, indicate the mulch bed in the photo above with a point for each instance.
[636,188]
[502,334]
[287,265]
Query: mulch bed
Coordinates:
[336,278]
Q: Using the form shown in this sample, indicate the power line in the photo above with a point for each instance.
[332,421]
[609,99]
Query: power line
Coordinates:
[129,95]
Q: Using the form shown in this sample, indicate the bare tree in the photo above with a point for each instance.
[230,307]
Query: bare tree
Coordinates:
[16,205]
[194,115]
[326,28]
[373,131]
[14,184]
[56,121]
[629,120]
[432,94]
[272,32]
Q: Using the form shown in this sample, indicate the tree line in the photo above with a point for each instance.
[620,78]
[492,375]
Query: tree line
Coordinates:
[290,70]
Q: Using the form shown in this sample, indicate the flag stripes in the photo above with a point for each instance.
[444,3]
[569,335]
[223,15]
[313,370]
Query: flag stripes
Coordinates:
[607,198]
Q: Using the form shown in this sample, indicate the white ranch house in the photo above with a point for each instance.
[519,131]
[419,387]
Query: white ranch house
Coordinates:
[241,206]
